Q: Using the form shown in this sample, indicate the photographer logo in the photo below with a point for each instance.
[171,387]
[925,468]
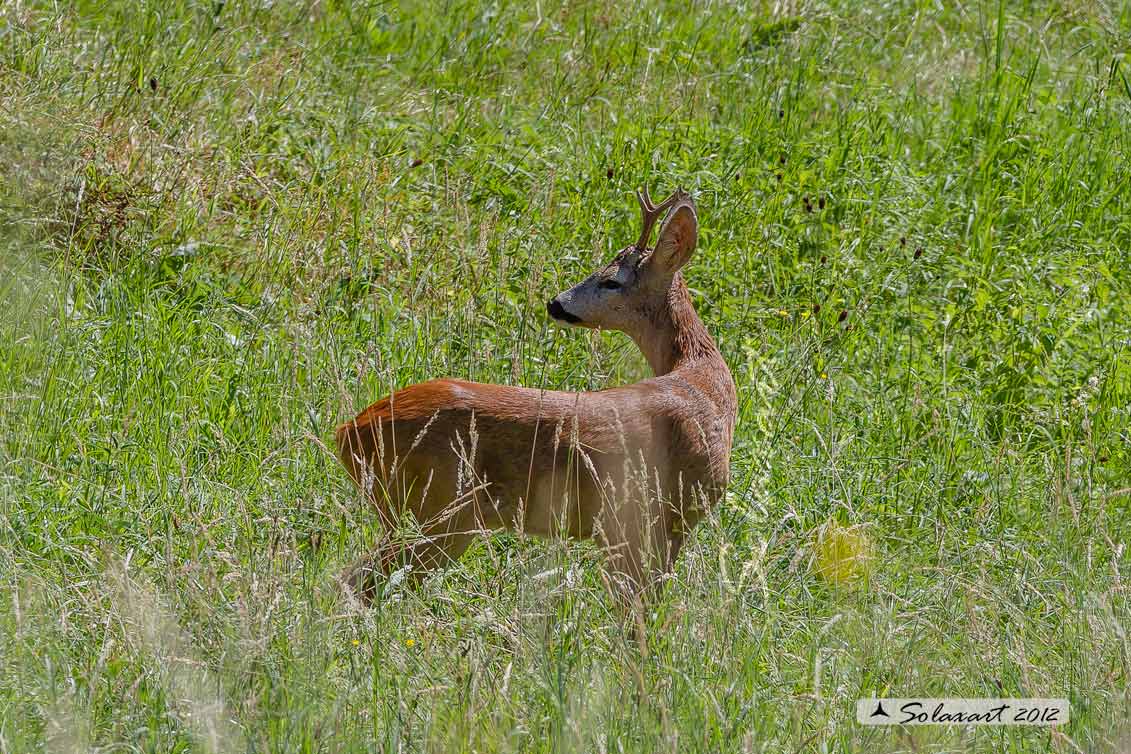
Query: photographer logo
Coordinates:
[923,711]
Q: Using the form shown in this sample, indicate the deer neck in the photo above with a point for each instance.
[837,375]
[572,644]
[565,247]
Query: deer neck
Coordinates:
[676,337]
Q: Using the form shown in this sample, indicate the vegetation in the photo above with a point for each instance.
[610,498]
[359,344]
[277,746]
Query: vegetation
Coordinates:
[227,226]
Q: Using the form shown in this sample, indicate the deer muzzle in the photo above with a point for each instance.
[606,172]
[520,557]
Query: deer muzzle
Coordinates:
[558,312]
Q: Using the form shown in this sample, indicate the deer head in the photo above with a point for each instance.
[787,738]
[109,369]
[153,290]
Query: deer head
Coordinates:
[627,292]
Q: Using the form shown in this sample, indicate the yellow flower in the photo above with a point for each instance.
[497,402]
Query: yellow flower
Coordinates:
[844,554]
[824,375]
[356,643]
[410,643]
[783,313]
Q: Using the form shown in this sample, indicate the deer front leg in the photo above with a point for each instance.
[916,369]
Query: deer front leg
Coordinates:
[640,548]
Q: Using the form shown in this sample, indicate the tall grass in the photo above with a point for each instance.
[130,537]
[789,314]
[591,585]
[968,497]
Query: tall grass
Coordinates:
[228,226]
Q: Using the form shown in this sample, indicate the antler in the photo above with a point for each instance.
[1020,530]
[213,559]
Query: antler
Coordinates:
[649,213]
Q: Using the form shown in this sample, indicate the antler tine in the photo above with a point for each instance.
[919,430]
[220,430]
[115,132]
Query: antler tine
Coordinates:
[649,213]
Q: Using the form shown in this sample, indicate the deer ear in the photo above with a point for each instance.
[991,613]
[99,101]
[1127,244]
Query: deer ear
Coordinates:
[677,239]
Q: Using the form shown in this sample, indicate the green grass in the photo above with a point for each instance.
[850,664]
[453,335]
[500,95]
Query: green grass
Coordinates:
[228,226]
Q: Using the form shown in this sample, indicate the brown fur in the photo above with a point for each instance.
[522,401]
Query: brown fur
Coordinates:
[631,466]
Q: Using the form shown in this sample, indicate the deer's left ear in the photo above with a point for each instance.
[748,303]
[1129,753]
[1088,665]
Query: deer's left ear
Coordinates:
[677,239]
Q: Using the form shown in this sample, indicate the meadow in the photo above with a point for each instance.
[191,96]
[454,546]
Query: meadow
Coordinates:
[226,227]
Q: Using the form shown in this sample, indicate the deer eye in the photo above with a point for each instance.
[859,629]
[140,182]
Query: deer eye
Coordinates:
[609,285]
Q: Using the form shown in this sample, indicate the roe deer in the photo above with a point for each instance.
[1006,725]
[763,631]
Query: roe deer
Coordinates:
[633,467]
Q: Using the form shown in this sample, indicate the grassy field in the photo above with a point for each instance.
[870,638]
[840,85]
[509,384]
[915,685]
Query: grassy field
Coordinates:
[227,226]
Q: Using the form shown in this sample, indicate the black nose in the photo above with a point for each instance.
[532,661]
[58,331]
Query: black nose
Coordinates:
[557,311]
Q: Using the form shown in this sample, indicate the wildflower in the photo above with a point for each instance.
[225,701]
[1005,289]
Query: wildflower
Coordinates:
[410,643]
[356,643]
[844,555]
